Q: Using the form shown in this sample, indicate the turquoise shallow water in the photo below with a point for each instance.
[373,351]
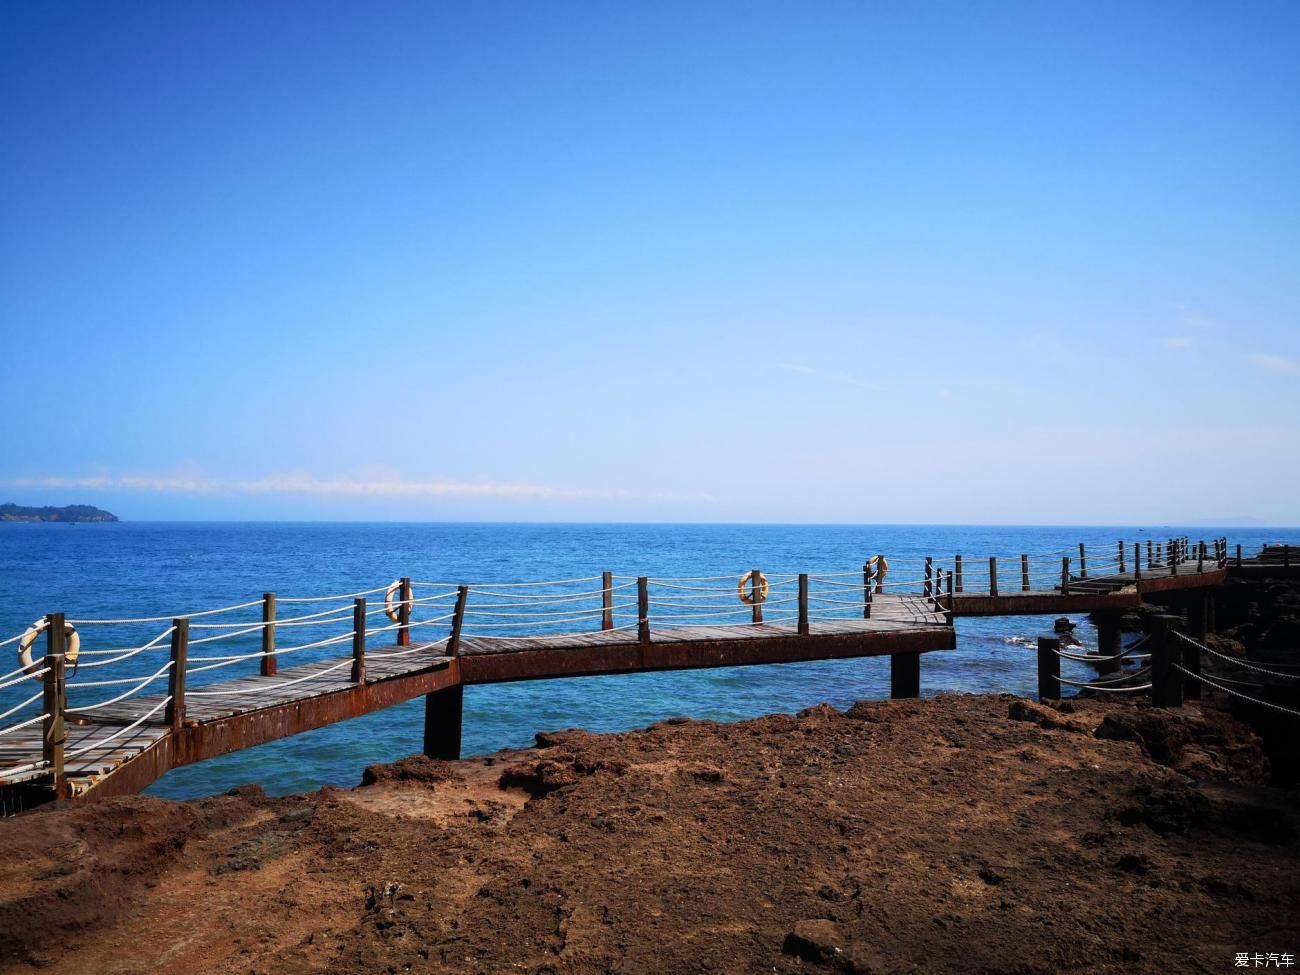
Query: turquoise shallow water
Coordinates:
[151,569]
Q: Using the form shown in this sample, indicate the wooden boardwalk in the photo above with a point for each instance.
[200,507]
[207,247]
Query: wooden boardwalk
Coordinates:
[507,632]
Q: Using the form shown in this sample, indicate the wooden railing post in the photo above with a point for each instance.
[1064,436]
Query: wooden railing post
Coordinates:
[1160,554]
[803,603]
[1239,555]
[1120,546]
[866,590]
[1173,560]
[1286,555]
[1083,562]
[756,594]
[1200,558]
[174,715]
[957,566]
[643,610]
[929,572]
[1049,668]
[54,700]
[1166,658]
[1024,573]
[359,640]
[607,600]
[1137,560]
[993,575]
[1150,560]
[952,604]
[404,614]
[268,634]
[1065,575]
[457,621]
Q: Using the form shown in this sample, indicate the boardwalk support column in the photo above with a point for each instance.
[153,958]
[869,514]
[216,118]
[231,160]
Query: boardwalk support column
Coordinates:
[1109,639]
[175,713]
[904,675]
[443,711]
[1198,618]
[404,614]
[607,600]
[268,634]
[54,699]
[1049,668]
[803,603]
[643,610]
[993,575]
[1166,658]
[359,640]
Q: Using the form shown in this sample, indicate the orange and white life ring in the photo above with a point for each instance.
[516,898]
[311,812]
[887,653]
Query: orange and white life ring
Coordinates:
[71,649]
[746,591]
[391,601]
[878,568]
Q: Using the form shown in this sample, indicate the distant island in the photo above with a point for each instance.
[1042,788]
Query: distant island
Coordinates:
[71,512]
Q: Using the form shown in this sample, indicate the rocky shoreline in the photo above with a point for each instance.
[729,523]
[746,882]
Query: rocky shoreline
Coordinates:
[962,833]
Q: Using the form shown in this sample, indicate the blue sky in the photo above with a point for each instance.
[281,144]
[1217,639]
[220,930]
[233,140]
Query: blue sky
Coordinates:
[687,262]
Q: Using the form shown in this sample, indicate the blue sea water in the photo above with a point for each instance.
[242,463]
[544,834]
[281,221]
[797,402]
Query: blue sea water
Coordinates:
[164,569]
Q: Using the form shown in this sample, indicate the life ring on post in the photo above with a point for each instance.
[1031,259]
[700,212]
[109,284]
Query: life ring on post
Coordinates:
[71,649]
[878,566]
[745,591]
[391,609]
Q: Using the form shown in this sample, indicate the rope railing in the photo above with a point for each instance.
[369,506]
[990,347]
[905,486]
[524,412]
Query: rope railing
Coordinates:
[1209,682]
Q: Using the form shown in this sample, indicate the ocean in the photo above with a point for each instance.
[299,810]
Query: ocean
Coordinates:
[124,570]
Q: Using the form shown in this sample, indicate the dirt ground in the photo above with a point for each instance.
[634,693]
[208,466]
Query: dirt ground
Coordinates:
[964,833]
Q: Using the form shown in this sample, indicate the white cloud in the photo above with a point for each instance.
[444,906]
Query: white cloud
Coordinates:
[389,486]
[1276,363]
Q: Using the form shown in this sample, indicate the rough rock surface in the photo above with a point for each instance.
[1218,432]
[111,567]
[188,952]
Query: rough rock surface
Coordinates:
[971,834]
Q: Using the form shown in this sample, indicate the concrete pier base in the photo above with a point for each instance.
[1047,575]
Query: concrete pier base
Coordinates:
[1109,639]
[904,675]
[443,711]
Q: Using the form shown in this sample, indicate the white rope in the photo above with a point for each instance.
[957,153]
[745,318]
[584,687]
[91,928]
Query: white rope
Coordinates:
[101,742]
[235,658]
[517,585]
[32,676]
[123,696]
[18,707]
[594,611]
[287,621]
[29,767]
[12,639]
[261,688]
[1245,697]
[24,724]
[408,651]
[1235,660]
[167,619]
[125,655]
[323,599]
[567,597]
[1106,687]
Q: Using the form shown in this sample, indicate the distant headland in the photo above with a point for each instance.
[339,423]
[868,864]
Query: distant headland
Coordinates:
[71,512]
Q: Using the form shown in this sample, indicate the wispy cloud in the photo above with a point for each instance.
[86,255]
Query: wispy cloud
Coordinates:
[1276,363]
[798,370]
[1179,342]
[393,486]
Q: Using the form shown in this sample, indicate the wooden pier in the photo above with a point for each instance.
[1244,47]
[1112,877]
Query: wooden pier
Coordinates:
[434,639]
